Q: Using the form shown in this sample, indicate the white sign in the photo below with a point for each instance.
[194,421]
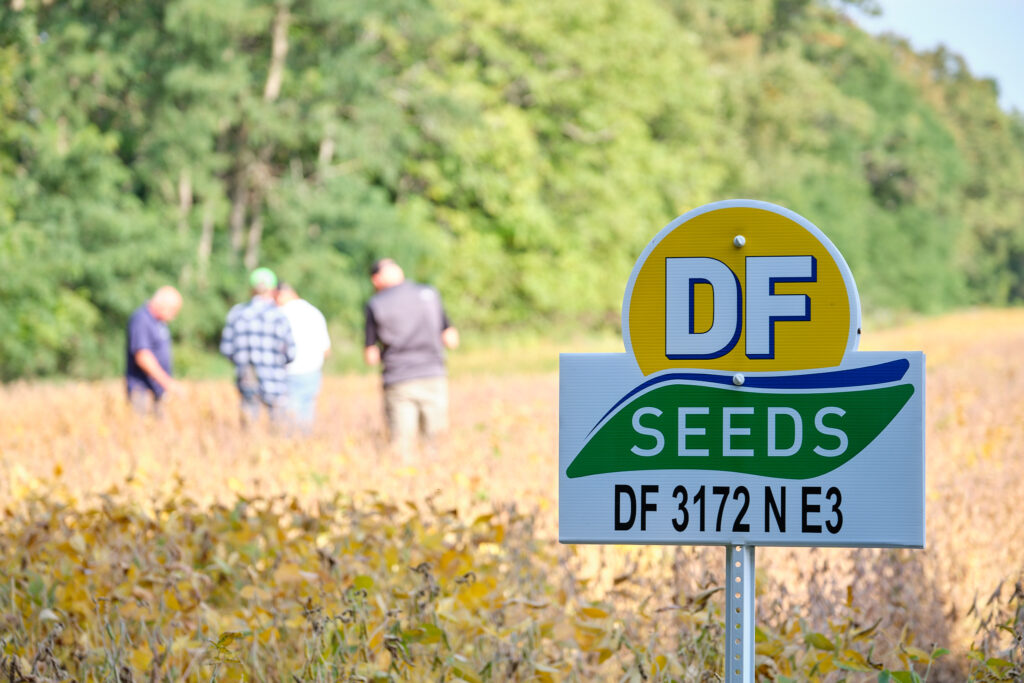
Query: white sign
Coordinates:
[741,412]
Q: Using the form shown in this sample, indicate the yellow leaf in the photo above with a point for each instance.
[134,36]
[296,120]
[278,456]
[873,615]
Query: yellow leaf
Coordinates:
[997,663]
[376,639]
[425,633]
[474,594]
[854,661]
[288,573]
[826,664]
[77,542]
[183,644]
[454,562]
[486,548]
[590,638]
[594,612]
[917,653]
[133,611]
[252,592]
[171,601]
[819,641]
[227,638]
[867,633]
[785,666]
[81,607]
[432,542]
[141,658]
[771,648]
[363,582]
[391,556]
[461,668]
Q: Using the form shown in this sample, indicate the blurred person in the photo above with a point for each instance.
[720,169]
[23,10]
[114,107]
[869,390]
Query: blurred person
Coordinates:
[148,363]
[408,330]
[312,346]
[258,340]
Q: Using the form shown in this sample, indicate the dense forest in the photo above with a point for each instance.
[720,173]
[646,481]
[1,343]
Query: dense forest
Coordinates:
[516,154]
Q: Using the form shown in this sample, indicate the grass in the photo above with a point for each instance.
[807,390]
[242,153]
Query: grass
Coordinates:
[488,353]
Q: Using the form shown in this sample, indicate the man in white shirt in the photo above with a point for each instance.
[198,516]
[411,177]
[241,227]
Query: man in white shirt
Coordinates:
[312,345]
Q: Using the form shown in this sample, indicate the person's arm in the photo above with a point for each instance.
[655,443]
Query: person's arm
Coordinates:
[142,340]
[450,337]
[371,352]
[227,339]
[151,366]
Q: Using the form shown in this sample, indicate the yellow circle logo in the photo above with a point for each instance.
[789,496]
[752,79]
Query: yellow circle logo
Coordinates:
[743,286]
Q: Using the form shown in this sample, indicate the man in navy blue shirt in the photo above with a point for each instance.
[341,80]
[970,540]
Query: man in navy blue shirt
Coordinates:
[258,340]
[148,362]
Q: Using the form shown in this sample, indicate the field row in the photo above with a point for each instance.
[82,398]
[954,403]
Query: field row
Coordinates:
[331,515]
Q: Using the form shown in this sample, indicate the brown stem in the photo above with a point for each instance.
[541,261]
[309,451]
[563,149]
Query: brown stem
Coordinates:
[278,53]
[252,249]
[184,200]
[236,219]
[205,247]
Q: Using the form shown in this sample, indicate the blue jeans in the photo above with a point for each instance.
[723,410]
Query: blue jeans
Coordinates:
[302,392]
[252,398]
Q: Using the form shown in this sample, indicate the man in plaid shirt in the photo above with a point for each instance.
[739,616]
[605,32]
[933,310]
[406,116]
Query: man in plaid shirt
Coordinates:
[258,340]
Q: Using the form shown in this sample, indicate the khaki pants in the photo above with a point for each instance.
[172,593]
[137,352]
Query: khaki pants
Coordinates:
[416,406]
[145,402]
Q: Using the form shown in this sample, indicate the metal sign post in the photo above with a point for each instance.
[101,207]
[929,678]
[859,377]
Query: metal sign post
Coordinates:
[739,614]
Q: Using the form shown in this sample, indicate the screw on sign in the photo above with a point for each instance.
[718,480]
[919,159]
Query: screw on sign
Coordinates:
[741,412]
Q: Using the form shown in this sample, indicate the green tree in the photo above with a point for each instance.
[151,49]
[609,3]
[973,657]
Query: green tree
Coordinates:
[518,155]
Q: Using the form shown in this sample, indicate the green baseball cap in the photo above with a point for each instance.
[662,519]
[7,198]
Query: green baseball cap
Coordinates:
[263,278]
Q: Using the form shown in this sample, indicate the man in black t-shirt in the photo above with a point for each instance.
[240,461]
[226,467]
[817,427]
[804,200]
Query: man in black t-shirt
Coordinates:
[407,330]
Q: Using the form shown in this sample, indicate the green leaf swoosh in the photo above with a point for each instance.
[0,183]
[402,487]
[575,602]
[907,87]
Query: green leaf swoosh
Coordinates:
[860,416]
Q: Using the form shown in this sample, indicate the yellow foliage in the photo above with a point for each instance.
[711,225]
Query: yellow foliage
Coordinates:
[211,562]
[141,658]
[855,661]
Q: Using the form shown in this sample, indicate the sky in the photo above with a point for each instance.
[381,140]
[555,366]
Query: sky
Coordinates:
[989,34]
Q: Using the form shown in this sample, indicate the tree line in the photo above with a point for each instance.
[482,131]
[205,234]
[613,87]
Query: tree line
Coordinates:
[517,155]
